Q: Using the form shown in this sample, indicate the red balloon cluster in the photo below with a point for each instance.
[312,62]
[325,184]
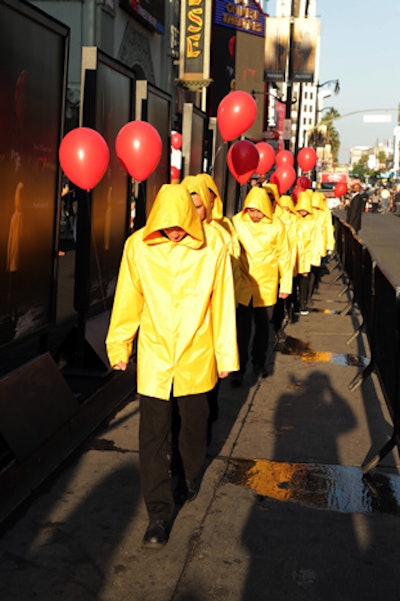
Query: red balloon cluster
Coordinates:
[284,157]
[174,173]
[303,182]
[138,146]
[176,140]
[284,177]
[235,114]
[242,160]
[266,157]
[84,157]
[306,158]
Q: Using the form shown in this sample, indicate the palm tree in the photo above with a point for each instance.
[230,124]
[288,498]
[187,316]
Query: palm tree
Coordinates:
[332,135]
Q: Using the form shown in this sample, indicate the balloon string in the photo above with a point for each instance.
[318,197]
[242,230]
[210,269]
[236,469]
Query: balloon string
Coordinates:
[215,157]
[96,256]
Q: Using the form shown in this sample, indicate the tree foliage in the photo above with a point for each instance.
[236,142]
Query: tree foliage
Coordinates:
[332,135]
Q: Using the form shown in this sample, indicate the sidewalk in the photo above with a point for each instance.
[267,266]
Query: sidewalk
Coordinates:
[283,512]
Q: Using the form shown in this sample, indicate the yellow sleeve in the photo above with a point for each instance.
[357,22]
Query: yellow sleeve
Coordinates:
[127,309]
[223,310]
[284,261]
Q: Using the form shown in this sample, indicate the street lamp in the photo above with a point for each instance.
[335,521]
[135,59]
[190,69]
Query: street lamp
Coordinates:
[336,91]
[330,81]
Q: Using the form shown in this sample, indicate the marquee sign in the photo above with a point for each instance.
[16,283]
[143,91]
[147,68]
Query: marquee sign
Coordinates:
[194,63]
[244,16]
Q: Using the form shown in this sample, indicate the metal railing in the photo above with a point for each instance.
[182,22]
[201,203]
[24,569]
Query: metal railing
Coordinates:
[378,299]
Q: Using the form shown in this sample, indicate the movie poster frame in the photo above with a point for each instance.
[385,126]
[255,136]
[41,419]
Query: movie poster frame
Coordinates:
[40,192]
[97,291]
[154,106]
[194,127]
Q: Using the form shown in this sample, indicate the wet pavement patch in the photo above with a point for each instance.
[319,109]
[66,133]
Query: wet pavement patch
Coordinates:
[318,486]
[296,347]
[326,311]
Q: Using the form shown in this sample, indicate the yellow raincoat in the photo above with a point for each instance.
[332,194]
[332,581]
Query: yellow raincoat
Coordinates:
[217,212]
[272,189]
[198,184]
[305,233]
[289,219]
[265,257]
[320,241]
[330,228]
[181,296]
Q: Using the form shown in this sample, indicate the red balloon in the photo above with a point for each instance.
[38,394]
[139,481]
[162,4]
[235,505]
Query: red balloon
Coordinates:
[174,173]
[84,157]
[306,158]
[284,157]
[340,189]
[284,177]
[267,157]
[303,182]
[235,114]
[176,140]
[242,160]
[295,192]
[138,146]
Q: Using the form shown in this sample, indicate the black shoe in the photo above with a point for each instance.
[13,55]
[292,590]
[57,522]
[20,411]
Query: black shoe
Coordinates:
[192,490]
[156,535]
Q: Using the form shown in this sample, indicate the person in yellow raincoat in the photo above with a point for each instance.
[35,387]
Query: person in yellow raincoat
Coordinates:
[175,287]
[203,202]
[284,308]
[265,266]
[217,211]
[273,193]
[306,235]
[320,242]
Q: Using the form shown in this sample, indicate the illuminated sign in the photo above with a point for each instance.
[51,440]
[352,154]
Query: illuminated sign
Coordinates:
[150,13]
[194,64]
[244,16]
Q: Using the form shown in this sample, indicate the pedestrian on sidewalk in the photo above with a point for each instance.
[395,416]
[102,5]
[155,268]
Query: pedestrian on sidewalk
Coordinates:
[204,204]
[265,267]
[284,308]
[306,234]
[356,207]
[175,286]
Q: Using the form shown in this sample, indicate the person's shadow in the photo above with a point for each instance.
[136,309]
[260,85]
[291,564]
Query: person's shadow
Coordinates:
[299,550]
[61,555]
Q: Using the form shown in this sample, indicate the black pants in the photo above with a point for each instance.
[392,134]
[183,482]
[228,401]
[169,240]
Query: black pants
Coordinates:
[304,284]
[155,437]
[315,278]
[262,317]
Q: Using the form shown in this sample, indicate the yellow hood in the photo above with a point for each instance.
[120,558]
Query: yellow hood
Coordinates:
[218,208]
[272,188]
[286,201]
[197,184]
[304,202]
[317,200]
[173,206]
[257,198]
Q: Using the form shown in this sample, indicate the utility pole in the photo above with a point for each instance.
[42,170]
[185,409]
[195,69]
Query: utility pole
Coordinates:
[289,83]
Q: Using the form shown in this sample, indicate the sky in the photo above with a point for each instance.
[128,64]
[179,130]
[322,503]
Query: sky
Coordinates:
[360,46]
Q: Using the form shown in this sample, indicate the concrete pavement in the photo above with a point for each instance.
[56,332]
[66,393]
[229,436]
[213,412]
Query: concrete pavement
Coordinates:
[283,512]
